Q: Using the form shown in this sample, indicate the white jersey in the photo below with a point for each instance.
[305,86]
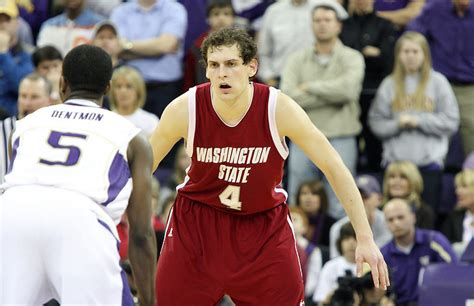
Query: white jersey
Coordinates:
[75,146]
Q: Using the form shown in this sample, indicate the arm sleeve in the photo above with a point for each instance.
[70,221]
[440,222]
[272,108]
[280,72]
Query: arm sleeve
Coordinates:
[445,119]
[442,249]
[344,88]
[290,81]
[382,121]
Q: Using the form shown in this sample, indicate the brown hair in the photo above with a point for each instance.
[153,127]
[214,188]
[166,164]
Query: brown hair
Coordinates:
[418,101]
[228,37]
[317,188]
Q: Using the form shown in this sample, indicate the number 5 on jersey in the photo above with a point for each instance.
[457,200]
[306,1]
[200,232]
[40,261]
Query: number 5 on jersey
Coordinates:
[230,197]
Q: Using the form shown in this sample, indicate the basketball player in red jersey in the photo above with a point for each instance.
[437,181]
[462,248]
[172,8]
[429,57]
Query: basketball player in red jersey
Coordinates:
[229,230]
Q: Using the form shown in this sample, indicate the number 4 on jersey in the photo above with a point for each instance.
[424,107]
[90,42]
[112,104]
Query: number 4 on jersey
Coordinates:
[230,197]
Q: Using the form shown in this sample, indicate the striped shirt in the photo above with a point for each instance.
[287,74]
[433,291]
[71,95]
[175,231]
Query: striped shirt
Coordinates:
[7,126]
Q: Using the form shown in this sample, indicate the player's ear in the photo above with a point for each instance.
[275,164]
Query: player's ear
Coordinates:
[253,67]
[63,87]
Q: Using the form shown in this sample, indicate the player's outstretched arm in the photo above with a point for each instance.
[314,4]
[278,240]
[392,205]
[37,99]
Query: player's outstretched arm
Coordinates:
[293,122]
[172,127]
[142,243]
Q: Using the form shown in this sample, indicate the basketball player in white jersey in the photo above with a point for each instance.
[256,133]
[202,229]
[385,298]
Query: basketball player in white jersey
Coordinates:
[75,169]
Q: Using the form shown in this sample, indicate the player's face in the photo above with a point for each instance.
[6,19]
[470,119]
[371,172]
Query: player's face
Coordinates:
[220,17]
[398,185]
[326,27]
[227,72]
[125,94]
[46,66]
[400,220]
[411,56]
[465,195]
[32,95]
[309,202]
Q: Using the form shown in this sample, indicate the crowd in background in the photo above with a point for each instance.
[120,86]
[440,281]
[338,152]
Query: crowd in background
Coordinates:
[390,87]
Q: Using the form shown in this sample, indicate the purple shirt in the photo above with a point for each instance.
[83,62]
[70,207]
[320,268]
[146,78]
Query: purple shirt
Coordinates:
[430,247]
[450,38]
[390,5]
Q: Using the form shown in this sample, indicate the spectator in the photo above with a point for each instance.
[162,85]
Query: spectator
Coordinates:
[459,226]
[127,97]
[153,32]
[415,112]
[325,80]
[399,12]
[103,7]
[286,28]
[411,250]
[73,27]
[453,54]
[371,194]
[106,37]
[35,12]
[313,254]
[220,14]
[34,93]
[374,37]
[339,266]
[15,57]
[403,180]
[48,63]
[313,200]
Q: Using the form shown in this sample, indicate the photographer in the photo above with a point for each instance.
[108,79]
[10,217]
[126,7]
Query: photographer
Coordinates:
[355,291]
[337,267]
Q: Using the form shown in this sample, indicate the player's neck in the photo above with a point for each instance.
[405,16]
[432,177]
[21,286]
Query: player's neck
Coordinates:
[232,111]
[84,95]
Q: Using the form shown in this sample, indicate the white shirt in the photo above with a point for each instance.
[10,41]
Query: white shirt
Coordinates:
[144,120]
[331,271]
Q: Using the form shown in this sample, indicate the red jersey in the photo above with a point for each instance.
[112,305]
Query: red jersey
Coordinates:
[238,168]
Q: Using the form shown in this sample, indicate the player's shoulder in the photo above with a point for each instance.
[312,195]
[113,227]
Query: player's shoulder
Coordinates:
[180,104]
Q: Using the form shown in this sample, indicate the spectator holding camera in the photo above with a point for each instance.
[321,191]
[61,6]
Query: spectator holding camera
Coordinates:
[339,266]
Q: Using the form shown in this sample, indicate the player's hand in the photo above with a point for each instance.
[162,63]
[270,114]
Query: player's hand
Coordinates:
[367,251]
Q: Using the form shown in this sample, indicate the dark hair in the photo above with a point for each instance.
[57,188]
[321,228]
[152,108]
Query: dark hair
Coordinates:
[347,231]
[46,53]
[317,188]
[229,37]
[213,4]
[87,68]
[327,8]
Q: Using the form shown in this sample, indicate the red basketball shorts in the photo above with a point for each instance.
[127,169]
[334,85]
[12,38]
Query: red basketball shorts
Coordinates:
[208,253]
